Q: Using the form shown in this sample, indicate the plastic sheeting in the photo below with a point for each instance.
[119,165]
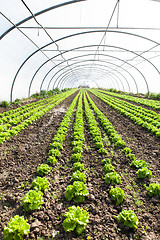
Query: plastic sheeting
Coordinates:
[48,44]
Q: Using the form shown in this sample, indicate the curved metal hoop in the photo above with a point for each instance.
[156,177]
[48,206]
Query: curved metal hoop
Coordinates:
[73,35]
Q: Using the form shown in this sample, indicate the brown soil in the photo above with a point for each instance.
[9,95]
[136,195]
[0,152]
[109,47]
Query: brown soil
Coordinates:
[21,155]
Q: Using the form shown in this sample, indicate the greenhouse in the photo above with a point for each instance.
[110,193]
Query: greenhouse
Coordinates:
[80,119]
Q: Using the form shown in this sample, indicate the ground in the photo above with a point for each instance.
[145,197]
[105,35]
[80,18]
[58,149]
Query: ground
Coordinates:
[21,155]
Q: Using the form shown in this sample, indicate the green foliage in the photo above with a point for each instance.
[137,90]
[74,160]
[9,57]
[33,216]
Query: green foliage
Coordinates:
[76,219]
[139,164]
[144,172]
[16,228]
[108,168]
[127,150]
[4,104]
[103,151]
[52,160]
[40,184]
[128,218]
[78,176]
[43,169]
[54,153]
[56,145]
[32,200]
[106,161]
[117,195]
[77,192]
[78,166]
[153,189]
[77,149]
[76,157]
[131,156]
[113,178]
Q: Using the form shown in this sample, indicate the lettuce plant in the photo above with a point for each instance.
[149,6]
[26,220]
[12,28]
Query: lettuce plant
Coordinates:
[40,184]
[106,160]
[108,168]
[144,172]
[77,149]
[153,189]
[78,176]
[56,145]
[43,169]
[113,178]
[32,200]
[131,156]
[117,195]
[103,151]
[139,164]
[77,192]
[16,228]
[78,166]
[54,153]
[76,157]
[128,218]
[75,219]
[52,160]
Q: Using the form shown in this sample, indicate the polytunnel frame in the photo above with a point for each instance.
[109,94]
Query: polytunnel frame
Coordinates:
[100,70]
[76,34]
[71,59]
[97,67]
[89,60]
[79,77]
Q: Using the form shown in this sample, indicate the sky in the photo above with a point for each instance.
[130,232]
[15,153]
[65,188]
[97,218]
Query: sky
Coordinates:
[115,65]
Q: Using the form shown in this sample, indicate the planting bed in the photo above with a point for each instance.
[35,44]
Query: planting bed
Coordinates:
[21,155]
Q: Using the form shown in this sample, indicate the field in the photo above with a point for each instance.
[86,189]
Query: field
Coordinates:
[95,129]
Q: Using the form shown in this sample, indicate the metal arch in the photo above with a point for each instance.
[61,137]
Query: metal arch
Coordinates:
[103,71]
[71,50]
[87,65]
[126,50]
[70,75]
[99,65]
[37,14]
[88,60]
[73,35]
[122,61]
[65,78]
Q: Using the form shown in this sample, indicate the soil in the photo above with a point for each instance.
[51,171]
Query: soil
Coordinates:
[21,155]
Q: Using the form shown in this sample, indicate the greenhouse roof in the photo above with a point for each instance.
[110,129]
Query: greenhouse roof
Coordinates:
[65,44]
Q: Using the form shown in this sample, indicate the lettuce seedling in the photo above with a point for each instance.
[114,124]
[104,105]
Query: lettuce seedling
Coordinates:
[117,195]
[131,156]
[113,178]
[54,153]
[77,149]
[144,172]
[139,164]
[153,189]
[127,150]
[76,157]
[56,145]
[16,228]
[106,160]
[32,200]
[76,219]
[78,166]
[78,176]
[128,218]
[77,192]
[103,151]
[52,160]
[108,168]
[43,169]
[40,184]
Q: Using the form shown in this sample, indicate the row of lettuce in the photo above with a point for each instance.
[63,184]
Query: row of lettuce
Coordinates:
[141,116]
[127,217]
[13,121]
[147,102]
[76,218]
